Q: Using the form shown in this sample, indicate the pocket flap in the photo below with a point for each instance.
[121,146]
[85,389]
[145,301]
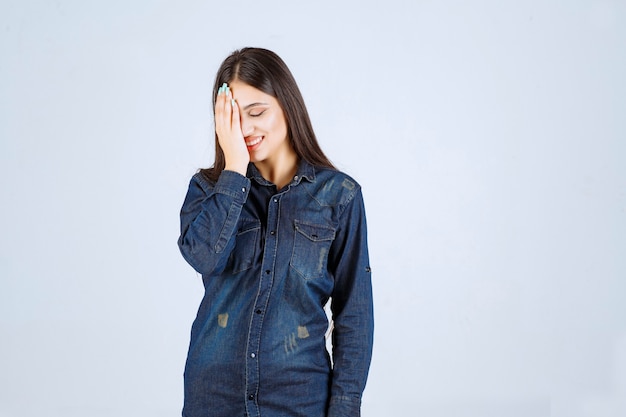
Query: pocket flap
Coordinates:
[315,232]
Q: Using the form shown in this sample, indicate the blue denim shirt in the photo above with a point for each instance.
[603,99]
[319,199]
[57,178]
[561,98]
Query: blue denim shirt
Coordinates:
[270,260]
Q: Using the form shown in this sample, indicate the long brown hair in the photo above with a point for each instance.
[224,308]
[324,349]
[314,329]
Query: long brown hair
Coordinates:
[266,71]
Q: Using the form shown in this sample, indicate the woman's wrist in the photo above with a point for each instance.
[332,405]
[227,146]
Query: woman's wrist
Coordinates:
[237,167]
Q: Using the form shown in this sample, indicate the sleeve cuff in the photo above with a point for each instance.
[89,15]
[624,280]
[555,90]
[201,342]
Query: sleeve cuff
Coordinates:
[233,184]
[342,406]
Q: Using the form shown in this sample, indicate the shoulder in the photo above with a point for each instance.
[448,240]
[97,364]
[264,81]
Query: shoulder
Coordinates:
[332,187]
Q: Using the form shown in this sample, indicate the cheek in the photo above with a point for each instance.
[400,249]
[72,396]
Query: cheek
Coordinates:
[272,124]
[278,124]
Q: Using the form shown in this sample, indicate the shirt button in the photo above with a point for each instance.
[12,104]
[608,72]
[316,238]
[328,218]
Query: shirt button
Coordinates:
[275,200]
[243,190]
[295,178]
[267,271]
[272,233]
[252,355]
[258,311]
[251,397]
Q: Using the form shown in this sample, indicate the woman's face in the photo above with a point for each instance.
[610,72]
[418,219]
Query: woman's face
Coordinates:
[263,123]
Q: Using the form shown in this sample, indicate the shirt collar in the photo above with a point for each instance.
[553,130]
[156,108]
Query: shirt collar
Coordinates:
[305,170]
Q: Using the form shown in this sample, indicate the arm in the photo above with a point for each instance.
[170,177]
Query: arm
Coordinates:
[210,211]
[353,314]
[208,220]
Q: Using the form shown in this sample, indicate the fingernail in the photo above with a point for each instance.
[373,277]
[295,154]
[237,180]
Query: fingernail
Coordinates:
[232,101]
[219,91]
[227,90]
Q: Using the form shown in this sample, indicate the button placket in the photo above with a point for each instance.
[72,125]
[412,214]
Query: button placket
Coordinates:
[260,305]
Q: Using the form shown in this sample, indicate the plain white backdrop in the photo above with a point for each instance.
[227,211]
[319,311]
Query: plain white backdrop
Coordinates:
[489,138]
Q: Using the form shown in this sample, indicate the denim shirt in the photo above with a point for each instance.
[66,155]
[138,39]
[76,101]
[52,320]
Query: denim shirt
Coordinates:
[270,260]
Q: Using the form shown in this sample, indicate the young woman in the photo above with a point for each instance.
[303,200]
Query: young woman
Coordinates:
[276,231]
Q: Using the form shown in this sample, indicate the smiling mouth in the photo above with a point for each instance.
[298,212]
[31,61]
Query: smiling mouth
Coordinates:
[254,141]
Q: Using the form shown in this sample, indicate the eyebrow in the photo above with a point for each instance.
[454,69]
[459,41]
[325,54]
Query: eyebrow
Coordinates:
[254,105]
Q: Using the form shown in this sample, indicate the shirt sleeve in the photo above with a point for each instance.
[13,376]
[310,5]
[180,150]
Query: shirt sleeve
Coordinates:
[209,218]
[352,309]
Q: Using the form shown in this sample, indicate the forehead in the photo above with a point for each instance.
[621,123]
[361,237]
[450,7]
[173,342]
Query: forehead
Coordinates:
[245,94]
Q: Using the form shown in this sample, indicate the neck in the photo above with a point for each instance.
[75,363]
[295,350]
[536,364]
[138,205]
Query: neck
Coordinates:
[280,170]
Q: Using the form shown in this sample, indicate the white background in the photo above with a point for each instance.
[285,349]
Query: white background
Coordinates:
[489,138]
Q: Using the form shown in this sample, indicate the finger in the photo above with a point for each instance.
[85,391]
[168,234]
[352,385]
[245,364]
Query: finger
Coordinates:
[219,105]
[222,118]
[228,108]
[236,120]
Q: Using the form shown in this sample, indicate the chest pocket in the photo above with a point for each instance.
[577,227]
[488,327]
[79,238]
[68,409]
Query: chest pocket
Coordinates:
[246,246]
[310,249]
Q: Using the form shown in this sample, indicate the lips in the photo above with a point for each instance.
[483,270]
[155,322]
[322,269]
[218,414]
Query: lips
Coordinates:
[252,141]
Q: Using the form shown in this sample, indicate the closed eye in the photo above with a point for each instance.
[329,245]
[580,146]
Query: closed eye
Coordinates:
[257,114]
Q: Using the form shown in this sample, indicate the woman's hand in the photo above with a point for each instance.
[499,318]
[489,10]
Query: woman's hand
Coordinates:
[228,129]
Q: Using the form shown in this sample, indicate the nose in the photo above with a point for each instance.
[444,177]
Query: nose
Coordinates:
[247,126]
